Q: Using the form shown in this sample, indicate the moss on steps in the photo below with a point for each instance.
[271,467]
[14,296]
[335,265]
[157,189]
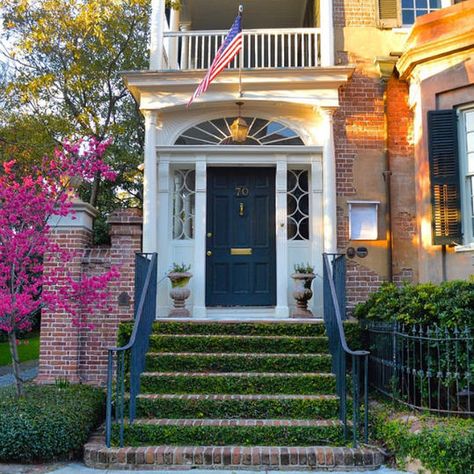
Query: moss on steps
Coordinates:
[140,434]
[289,328]
[252,407]
[265,344]
[216,362]
[231,383]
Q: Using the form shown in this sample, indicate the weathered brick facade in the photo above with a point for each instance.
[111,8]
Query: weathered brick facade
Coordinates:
[373,130]
[79,354]
[401,156]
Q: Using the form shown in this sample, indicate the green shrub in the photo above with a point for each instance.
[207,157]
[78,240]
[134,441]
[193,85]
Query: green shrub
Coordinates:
[51,422]
[447,304]
[443,445]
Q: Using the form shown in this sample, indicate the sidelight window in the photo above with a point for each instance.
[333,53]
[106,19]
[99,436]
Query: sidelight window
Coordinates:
[184,191]
[298,205]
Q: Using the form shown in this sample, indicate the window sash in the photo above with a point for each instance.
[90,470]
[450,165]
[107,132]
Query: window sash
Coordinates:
[466,158]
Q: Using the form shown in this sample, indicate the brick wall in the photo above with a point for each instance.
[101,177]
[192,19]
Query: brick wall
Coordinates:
[78,354]
[354,13]
[361,282]
[401,155]
[359,129]
[358,125]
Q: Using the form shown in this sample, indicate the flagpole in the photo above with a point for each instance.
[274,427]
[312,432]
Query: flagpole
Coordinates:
[241,61]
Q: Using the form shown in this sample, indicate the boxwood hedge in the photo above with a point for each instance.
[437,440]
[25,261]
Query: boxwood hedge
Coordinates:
[51,423]
[447,304]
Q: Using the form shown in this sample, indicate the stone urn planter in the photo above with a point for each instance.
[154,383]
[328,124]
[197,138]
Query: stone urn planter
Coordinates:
[302,293]
[179,277]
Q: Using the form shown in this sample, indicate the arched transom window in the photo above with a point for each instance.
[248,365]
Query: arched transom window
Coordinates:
[218,132]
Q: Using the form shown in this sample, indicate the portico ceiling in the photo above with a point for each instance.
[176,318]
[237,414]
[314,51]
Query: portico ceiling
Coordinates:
[219,14]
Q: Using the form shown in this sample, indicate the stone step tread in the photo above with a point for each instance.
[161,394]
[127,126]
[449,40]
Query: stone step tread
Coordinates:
[235,422]
[243,320]
[237,336]
[238,457]
[238,374]
[238,354]
[199,396]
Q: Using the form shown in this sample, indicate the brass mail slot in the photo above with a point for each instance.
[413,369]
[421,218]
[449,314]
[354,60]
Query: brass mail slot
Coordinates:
[241,251]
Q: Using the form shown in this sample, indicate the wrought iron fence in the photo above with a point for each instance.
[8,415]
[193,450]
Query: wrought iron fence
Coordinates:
[427,368]
[129,360]
[334,312]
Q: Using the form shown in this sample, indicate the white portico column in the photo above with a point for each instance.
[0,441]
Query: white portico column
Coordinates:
[282,310]
[157,30]
[329,181]
[327,32]
[150,183]
[164,234]
[186,26]
[173,42]
[200,238]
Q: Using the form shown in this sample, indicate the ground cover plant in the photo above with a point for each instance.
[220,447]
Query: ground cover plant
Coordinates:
[52,422]
[443,445]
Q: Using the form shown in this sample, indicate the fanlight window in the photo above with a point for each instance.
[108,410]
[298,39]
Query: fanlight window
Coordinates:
[261,132]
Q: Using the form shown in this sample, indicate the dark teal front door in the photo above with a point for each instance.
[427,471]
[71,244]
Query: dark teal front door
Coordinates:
[240,269]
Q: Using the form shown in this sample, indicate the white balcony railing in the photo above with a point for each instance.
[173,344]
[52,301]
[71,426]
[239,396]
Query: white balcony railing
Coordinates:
[262,49]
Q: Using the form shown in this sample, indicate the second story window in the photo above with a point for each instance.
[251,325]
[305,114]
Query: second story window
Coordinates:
[397,13]
[411,9]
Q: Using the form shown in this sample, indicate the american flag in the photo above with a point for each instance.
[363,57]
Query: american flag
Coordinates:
[226,53]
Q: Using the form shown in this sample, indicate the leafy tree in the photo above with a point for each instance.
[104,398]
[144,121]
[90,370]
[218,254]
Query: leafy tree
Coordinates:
[27,202]
[65,58]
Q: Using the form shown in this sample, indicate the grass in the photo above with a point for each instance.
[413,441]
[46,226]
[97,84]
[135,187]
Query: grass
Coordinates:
[28,351]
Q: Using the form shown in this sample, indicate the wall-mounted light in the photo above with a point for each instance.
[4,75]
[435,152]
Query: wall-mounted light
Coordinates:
[239,128]
[363,220]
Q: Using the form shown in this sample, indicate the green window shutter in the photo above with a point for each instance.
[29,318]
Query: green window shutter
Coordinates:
[388,13]
[444,175]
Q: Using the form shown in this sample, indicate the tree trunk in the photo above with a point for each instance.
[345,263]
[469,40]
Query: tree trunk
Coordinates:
[95,190]
[16,363]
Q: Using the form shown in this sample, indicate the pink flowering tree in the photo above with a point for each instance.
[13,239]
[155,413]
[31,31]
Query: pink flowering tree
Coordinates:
[26,205]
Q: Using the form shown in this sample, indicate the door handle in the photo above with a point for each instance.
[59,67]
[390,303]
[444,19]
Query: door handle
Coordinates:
[241,209]
[209,253]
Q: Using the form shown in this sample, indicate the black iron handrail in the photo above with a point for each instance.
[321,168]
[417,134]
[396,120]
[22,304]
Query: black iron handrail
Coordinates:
[340,351]
[137,346]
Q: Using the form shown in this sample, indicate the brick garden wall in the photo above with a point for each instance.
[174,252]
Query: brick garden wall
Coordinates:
[79,354]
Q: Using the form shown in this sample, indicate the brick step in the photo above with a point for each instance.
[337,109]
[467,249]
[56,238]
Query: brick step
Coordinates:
[288,327]
[237,362]
[236,343]
[299,383]
[322,458]
[218,432]
[237,406]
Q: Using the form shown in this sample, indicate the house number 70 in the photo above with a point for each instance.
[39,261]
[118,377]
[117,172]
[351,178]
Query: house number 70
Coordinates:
[241,191]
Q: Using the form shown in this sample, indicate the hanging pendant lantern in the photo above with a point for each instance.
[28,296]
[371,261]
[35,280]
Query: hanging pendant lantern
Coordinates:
[239,128]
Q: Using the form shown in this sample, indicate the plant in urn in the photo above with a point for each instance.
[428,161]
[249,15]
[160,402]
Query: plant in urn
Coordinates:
[302,293]
[179,276]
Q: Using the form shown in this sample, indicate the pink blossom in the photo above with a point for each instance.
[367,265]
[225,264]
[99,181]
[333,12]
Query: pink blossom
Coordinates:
[26,204]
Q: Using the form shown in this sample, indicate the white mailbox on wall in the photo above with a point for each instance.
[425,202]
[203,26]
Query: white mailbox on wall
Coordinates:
[363,220]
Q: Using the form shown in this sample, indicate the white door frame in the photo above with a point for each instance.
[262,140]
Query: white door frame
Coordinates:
[280,157]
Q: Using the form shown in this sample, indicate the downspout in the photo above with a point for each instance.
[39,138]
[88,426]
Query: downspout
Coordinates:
[386,67]
[387,176]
